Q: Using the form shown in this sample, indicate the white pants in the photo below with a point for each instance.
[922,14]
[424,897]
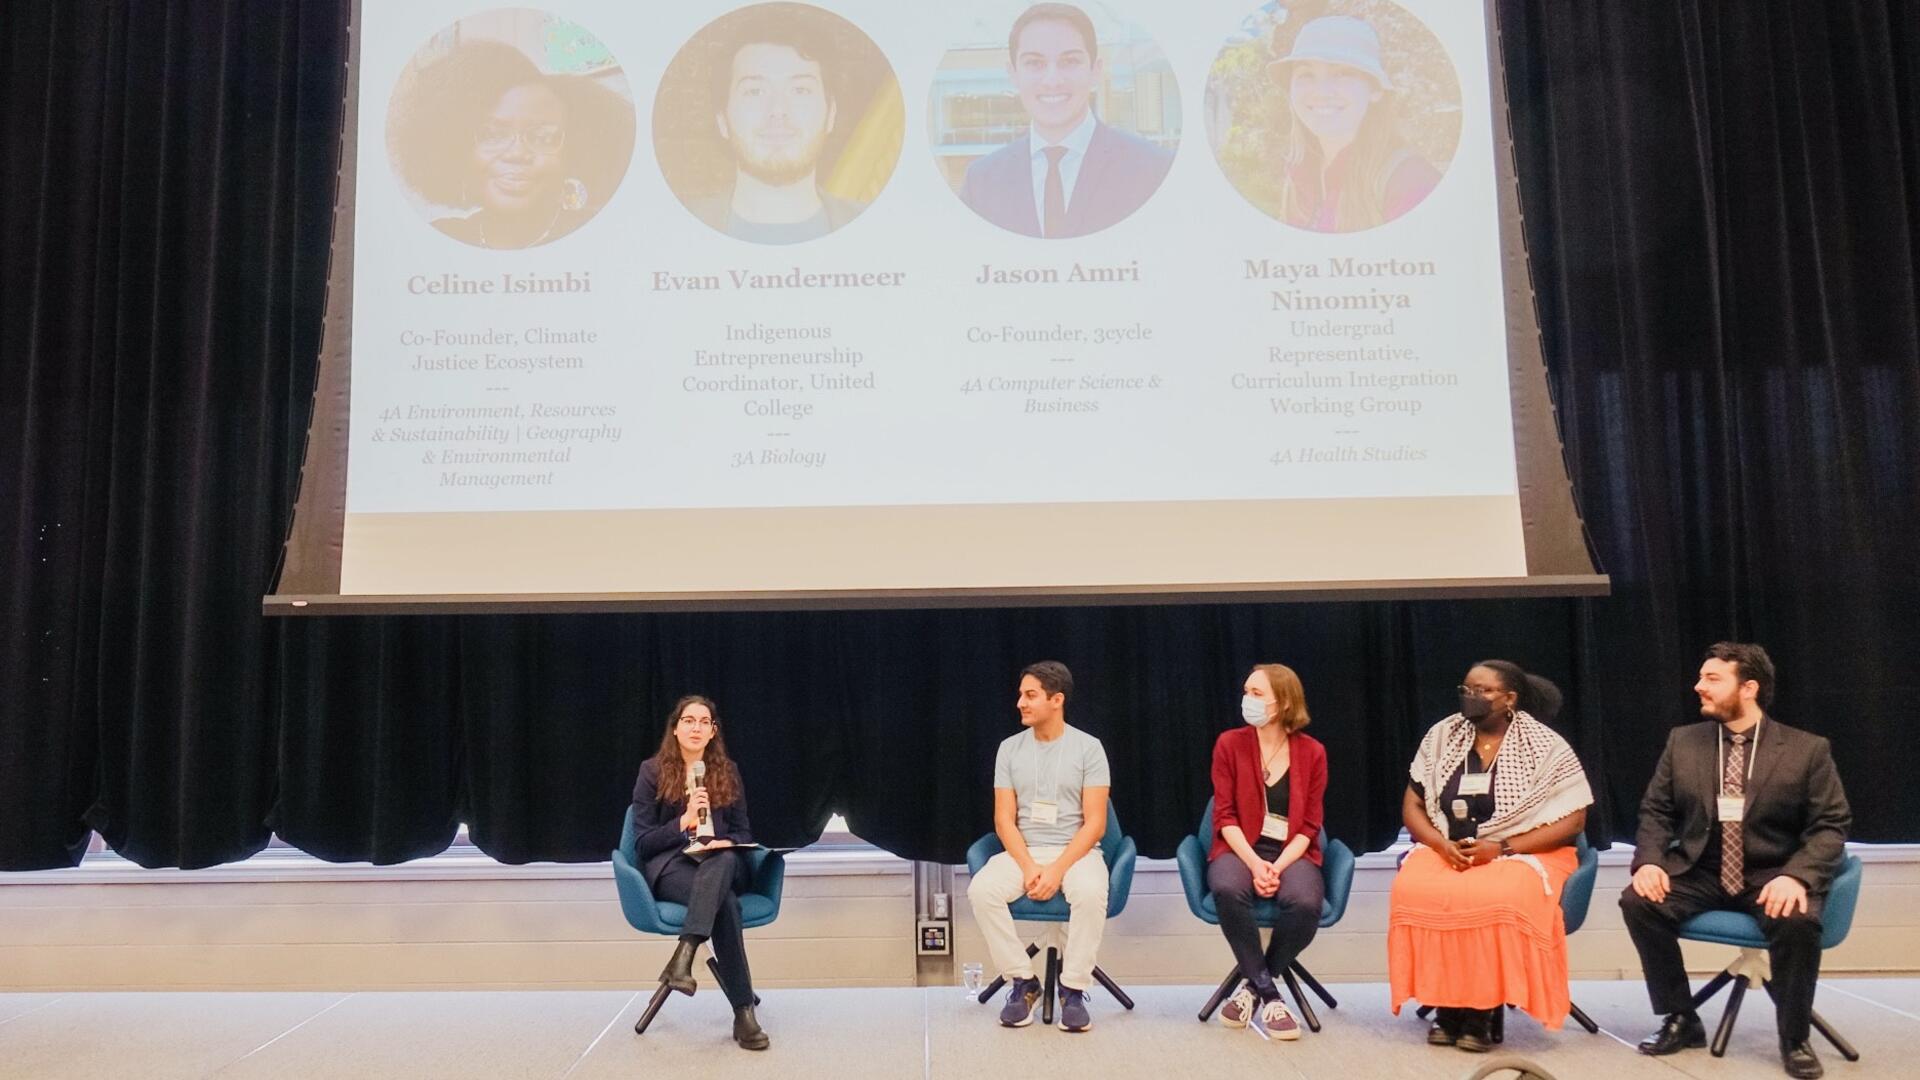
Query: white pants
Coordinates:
[998,884]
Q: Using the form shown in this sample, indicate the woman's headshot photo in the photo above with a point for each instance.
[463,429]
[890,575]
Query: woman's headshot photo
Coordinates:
[510,128]
[778,123]
[1054,120]
[1334,116]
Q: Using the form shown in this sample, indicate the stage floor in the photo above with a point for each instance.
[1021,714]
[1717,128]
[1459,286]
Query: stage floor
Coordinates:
[845,1034]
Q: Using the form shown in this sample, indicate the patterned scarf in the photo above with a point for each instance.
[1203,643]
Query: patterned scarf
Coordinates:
[1539,780]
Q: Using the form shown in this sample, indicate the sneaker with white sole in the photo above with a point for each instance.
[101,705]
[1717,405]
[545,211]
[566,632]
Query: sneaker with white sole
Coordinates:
[1073,1010]
[1021,1000]
[1239,1008]
[1277,1022]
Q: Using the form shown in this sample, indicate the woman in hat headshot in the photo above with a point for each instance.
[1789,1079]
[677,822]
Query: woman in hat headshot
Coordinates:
[1346,167]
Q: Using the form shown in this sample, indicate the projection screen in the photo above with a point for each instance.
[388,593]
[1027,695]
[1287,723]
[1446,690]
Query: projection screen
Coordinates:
[865,303]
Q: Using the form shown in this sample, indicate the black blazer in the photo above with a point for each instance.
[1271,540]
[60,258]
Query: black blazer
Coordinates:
[657,836]
[1796,814]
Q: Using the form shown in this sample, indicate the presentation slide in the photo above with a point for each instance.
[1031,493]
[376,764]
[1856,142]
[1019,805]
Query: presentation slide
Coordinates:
[867,295]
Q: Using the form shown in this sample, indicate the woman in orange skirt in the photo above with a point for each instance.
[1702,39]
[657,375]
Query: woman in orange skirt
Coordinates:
[1495,799]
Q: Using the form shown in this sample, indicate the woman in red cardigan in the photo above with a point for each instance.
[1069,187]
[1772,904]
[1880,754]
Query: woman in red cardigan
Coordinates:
[1269,782]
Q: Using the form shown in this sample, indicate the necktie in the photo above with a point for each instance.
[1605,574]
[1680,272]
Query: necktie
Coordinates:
[1732,846]
[1054,221]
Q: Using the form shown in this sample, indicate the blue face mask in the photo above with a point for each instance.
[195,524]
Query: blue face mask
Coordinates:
[1254,710]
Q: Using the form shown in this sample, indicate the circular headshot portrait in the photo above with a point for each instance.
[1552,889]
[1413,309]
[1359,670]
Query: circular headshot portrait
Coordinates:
[1334,115]
[510,128]
[778,123]
[1054,120]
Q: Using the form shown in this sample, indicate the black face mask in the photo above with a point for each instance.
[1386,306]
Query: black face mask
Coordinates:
[1474,707]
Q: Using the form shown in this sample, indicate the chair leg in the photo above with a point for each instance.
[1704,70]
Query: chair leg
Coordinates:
[1001,980]
[1725,1032]
[1313,984]
[1498,1028]
[1581,1018]
[1705,993]
[1227,986]
[1846,1048]
[653,1008]
[1423,1011]
[1113,988]
[1050,987]
[1306,1007]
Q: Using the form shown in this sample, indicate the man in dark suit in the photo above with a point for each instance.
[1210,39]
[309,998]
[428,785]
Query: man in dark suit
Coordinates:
[1743,814]
[1070,175]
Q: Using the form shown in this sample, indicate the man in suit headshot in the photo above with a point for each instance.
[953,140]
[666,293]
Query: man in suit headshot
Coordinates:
[1743,814]
[1071,174]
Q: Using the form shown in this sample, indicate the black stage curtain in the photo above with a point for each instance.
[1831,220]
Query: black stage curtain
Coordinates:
[1721,206]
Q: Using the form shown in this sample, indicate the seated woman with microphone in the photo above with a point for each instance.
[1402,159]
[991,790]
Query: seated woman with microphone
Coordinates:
[681,844]
[1496,800]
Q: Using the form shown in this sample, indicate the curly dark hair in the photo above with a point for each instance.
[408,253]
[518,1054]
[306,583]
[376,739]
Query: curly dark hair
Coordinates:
[723,779]
[436,110]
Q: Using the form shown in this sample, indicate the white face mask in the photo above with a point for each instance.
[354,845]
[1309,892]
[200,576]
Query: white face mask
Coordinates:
[1254,710]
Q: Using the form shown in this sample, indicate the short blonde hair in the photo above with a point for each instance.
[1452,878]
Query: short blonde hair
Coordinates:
[1288,694]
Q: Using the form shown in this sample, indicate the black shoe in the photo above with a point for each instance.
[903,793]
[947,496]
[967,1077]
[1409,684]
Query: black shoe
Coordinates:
[1445,1029]
[1800,1062]
[746,1030]
[1679,1031]
[1475,1036]
[678,974]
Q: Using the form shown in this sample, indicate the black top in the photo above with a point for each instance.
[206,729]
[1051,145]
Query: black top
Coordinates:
[1479,807]
[1279,792]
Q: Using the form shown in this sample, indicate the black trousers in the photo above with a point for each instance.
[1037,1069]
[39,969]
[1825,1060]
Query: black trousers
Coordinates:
[710,888]
[1793,944]
[1301,891]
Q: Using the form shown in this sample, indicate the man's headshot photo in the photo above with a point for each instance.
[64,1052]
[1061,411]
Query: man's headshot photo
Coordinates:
[778,123]
[1334,116]
[510,128]
[1062,129]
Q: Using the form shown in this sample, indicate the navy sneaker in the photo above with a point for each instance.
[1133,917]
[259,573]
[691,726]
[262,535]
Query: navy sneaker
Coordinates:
[1073,1010]
[1021,1000]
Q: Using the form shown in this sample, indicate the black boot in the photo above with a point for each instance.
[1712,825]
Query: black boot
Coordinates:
[678,974]
[1678,1031]
[746,1030]
[1445,1029]
[1476,1032]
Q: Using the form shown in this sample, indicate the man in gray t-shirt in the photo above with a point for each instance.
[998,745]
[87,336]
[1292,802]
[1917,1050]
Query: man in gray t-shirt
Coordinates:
[1050,784]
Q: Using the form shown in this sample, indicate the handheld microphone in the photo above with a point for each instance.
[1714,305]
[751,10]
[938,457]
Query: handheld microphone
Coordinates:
[1464,827]
[697,781]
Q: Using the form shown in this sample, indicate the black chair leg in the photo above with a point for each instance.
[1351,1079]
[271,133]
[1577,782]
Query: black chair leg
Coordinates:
[1498,1027]
[1713,986]
[1306,1007]
[1846,1048]
[1581,1018]
[653,1008]
[1423,1011]
[1725,1032]
[1001,980]
[1227,987]
[1050,987]
[1314,984]
[1113,988]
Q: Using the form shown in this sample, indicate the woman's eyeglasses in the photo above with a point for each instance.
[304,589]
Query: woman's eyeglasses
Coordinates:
[1463,690]
[498,138]
[699,721]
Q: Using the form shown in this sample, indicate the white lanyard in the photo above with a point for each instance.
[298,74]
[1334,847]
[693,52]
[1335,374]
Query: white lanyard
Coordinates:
[1720,757]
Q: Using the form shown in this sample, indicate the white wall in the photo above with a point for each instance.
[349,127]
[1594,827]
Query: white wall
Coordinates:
[847,920]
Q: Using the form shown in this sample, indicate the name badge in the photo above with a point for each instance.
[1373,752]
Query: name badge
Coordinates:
[1045,813]
[1274,828]
[1476,783]
[1733,807]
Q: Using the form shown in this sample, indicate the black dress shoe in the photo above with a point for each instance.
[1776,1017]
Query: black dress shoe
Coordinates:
[1679,1031]
[746,1030]
[1800,1062]
[678,974]
[1445,1029]
[1476,1036]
